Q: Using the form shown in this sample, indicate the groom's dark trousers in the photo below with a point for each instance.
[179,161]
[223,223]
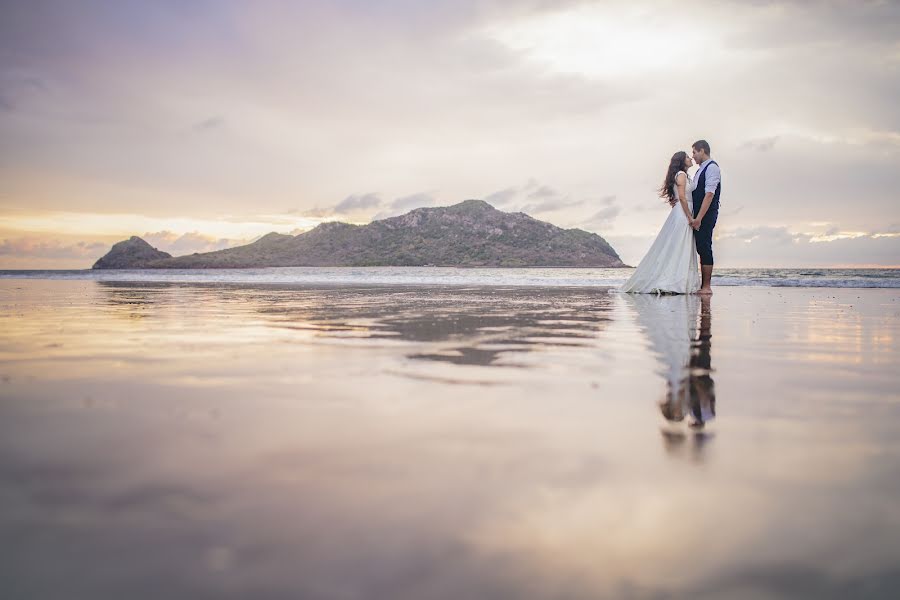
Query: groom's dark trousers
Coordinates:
[703,235]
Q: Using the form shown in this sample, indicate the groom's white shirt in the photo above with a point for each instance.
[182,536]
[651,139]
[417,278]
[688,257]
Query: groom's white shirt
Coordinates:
[713,175]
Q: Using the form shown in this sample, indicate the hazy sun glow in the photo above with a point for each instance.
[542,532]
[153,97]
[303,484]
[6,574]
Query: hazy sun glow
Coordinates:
[595,42]
[129,224]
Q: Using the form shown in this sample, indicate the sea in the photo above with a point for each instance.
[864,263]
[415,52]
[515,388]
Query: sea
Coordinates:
[425,433]
[536,276]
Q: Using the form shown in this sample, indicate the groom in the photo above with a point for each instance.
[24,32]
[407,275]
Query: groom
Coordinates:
[706,209]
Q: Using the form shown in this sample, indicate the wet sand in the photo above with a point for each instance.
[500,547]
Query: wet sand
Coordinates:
[176,440]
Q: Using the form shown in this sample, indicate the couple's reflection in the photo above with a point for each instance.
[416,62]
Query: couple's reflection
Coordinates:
[694,394]
[678,329]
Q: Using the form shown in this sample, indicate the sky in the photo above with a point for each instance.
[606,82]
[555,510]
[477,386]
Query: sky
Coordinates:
[203,124]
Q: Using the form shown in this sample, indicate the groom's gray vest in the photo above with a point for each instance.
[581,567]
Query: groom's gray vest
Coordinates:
[700,191]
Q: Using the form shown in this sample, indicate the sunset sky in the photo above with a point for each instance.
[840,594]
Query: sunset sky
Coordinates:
[201,124]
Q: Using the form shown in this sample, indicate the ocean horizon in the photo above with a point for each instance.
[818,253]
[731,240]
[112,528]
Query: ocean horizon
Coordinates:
[481,276]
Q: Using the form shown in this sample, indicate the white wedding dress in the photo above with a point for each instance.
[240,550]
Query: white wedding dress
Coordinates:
[670,266]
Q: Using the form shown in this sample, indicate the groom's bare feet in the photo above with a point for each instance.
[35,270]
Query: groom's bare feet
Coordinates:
[706,280]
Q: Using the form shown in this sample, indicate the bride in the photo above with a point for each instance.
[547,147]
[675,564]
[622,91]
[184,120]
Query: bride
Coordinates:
[670,266]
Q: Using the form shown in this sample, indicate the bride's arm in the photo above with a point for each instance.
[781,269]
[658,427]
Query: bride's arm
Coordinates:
[681,183]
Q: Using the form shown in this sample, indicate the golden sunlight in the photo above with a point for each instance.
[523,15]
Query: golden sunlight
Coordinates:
[133,224]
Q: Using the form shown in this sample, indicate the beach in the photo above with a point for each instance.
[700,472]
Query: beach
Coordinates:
[165,439]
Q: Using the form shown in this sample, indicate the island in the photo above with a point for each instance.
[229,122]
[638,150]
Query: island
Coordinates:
[471,233]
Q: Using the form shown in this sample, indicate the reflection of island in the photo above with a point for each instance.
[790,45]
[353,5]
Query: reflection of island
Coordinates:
[678,329]
[469,326]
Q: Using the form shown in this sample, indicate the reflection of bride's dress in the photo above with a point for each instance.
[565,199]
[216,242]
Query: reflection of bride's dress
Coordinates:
[669,322]
[682,348]
[670,266]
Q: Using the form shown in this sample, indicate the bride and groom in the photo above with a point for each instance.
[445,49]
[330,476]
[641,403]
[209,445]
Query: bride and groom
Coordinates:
[670,266]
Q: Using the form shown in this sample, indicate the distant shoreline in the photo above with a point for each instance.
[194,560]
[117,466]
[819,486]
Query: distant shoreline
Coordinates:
[468,276]
[469,267]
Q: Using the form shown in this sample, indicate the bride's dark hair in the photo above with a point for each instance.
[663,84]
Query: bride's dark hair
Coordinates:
[675,165]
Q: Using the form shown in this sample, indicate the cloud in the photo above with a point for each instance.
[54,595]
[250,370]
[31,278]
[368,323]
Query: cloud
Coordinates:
[602,219]
[532,197]
[766,235]
[209,124]
[544,191]
[318,213]
[36,247]
[502,197]
[655,205]
[359,204]
[18,88]
[780,247]
[404,204]
[548,199]
[731,211]
[761,144]
[413,201]
[355,203]
[551,205]
[892,229]
[605,217]
[188,243]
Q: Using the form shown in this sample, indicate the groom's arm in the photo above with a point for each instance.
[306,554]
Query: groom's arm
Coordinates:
[713,177]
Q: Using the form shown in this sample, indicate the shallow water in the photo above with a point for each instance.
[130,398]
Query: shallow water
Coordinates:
[283,441]
[538,276]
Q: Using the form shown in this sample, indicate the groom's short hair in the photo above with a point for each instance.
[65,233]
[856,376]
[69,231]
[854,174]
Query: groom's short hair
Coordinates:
[701,145]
